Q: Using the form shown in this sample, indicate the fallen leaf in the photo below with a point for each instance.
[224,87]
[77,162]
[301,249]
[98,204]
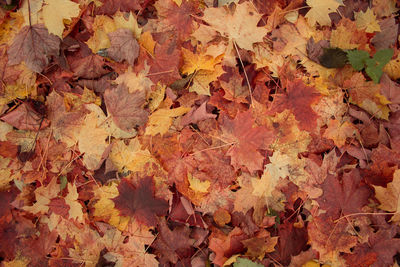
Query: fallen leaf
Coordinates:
[139,202]
[33,45]
[126,109]
[123,46]
[56,11]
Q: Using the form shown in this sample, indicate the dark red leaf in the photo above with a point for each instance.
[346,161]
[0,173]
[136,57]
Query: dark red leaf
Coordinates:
[139,201]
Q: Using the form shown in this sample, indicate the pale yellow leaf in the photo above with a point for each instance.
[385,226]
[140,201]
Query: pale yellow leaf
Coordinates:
[320,10]
[240,26]
[160,121]
[75,208]
[367,21]
[56,11]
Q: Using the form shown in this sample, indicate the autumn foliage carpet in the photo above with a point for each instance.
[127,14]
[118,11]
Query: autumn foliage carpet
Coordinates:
[199,133]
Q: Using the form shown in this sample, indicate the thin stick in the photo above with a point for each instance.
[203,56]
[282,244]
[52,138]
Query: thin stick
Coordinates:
[366,213]
[211,148]
[245,74]
[29,13]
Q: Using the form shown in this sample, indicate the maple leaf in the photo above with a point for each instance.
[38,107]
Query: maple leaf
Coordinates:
[378,251]
[238,24]
[344,197]
[225,246]
[126,108]
[166,63]
[8,74]
[291,242]
[129,157]
[339,132]
[161,120]
[173,245]
[33,45]
[347,36]
[109,7]
[123,46]
[389,196]
[367,96]
[177,17]
[298,99]
[139,201]
[75,211]
[320,10]
[388,34]
[367,21]
[56,11]
[43,195]
[245,140]
[329,239]
[89,67]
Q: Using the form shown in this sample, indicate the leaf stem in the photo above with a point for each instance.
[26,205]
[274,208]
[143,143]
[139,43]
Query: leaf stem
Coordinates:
[245,74]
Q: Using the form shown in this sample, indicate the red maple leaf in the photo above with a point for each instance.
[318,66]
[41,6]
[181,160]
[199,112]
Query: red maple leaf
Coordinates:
[246,140]
[109,7]
[298,99]
[165,64]
[178,18]
[378,251]
[140,201]
[173,245]
[346,196]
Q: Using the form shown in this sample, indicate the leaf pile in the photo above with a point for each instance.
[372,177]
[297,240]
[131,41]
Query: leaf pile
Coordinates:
[199,133]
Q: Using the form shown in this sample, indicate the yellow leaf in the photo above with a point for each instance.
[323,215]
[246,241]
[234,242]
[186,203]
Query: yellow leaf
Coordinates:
[56,11]
[178,2]
[146,40]
[202,79]
[367,20]
[129,157]
[19,261]
[75,208]
[389,196]
[342,36]
[160,121]
[240,26]
[92,138]
[102,26]
[197,185]
[339,132]
[196,61]
[135,81]
[156,97]
[320,10]
[393,68]
[121,22]
[104,209]
[263,187]
[43,196]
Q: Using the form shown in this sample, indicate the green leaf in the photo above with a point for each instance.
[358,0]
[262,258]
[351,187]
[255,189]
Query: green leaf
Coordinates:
[333,58]
[375,65]
[242,262]
[357,58]
[63,182]
[382,57]
[373,70]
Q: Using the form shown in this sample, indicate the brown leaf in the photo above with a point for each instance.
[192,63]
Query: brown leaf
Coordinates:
[123,46]
[126,108]
[24,117]
[34,45]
